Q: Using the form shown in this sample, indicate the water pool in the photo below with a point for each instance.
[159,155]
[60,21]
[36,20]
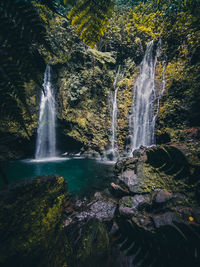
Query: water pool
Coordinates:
[83,176]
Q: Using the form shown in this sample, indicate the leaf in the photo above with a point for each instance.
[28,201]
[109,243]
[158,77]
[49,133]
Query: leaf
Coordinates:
[91,17]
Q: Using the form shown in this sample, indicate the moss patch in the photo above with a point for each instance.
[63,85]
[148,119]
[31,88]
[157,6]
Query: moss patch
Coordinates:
[31,223]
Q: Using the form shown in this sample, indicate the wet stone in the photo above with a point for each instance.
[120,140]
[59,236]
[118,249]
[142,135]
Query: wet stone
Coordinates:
[140,201]
[126,211]
[101,210]
[164,219]
[134,203]
[129,178]
[162,196]
[118,190]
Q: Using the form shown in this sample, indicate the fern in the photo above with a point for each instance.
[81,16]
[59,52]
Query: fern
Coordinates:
[169,160]
[175,244]
[91,17]
[22,32]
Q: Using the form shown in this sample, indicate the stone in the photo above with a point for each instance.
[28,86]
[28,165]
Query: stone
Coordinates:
[114,228]
[128,175]
[140,201]
[129,205]
[98,195]
[79,203]
[126,201]
[164,219]
[162,196]
[129,178]
[126,211]
[68,222]
[118,190]
[137,153]
[102,210]
[130,164]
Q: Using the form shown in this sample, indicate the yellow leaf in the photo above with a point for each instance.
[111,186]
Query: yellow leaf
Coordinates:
[191,219]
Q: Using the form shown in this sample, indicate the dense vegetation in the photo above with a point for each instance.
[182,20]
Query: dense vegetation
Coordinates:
[151,207]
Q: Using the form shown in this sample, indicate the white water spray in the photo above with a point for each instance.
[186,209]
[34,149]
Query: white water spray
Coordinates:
[46,133]
[142,122]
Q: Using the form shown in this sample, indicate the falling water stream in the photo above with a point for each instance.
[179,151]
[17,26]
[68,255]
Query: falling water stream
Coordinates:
[141,121]
[46,133]
[113,95]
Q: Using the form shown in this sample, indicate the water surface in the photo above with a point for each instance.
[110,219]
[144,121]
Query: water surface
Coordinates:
[84,176]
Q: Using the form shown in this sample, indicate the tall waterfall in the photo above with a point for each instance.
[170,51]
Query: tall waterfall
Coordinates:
[114,146]
[113,152]
[142,122]
[46,133]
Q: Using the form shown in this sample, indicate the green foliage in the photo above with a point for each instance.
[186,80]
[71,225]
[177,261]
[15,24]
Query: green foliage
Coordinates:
[22,32]
[34,235]
[145,22]
[175,6]
[168,159]
[117,38]
[102,57]
[177,24]
[90,17]
[173,244]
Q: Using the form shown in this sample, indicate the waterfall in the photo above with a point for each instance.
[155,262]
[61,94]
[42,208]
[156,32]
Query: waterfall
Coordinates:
[114,146]
[113,152]
[46,133]
[141,121]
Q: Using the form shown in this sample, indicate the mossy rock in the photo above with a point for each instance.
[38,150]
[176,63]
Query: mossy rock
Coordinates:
[31,230]
[93,248]
[160,167]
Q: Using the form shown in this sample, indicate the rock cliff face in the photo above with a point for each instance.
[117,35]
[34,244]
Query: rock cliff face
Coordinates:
[84,78]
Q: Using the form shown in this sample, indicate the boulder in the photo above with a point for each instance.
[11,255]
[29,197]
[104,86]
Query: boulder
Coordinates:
[92,246]
[162,196]
[128,205]
[119,191]
[129,178]
[164,219]
[31,227]
[102,210]
[126,211]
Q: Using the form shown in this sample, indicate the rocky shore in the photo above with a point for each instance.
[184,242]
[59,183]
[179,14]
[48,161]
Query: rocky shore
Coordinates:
[149,213]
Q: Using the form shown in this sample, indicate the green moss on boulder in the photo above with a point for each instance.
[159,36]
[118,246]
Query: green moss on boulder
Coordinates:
[93,248]
[31,228]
